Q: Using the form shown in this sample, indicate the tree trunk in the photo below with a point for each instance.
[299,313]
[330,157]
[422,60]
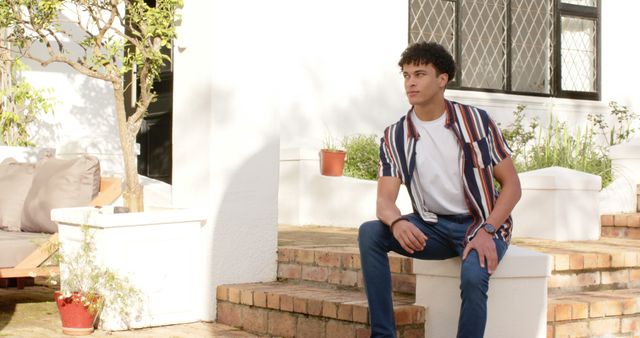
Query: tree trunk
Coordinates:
[132,194]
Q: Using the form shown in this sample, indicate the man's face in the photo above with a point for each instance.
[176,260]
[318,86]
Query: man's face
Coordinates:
[423,84]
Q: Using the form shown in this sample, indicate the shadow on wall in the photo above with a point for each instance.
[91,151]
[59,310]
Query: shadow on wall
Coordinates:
[89,124]
[244,234]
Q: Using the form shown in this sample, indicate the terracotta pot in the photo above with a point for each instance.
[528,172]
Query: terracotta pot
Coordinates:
[332,162]
[76,318]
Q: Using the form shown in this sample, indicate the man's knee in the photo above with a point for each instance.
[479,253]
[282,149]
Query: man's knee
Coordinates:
[370,232]
[473,276]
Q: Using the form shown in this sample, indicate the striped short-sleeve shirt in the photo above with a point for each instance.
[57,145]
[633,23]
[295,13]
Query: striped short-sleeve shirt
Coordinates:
[483,146]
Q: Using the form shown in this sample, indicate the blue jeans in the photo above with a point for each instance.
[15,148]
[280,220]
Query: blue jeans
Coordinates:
[444,241]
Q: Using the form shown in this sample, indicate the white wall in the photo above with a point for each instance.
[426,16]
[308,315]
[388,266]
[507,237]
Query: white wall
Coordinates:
[341,74]
[620,68]
[344,75]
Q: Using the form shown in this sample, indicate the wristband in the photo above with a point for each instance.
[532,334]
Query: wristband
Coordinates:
[398,220]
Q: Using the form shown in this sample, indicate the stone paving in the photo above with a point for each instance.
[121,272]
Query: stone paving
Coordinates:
[31,313]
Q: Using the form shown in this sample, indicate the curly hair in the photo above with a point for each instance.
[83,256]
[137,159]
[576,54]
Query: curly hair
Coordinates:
[424,53]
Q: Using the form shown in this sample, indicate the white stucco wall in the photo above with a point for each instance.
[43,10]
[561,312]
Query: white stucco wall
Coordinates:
[620,68]
[346,79]
[342,75]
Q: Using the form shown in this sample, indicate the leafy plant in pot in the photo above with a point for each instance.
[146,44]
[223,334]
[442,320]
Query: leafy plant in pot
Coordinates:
[86,287]
[331,158]
[103,40]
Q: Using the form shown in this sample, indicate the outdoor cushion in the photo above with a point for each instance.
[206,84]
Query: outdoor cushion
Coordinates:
[15,181]
[18,245]
[59,183]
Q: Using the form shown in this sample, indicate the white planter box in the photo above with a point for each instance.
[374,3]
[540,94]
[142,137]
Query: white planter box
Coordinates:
[517,295]
[559,204]
[159,251]
[621,195]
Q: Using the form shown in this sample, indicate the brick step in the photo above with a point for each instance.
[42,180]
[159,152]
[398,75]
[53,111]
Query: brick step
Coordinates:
[613,313]
[621,225]
[606,264]
[287,309]
[339,266]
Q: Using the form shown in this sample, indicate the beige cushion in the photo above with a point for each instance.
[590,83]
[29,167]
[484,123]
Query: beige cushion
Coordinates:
[15,181]
[16,246]
[59,183]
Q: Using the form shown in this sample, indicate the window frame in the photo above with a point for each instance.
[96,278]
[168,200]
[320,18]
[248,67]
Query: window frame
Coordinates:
[582,12]
[559,10]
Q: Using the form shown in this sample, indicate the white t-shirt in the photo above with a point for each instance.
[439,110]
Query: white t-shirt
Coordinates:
[438,167]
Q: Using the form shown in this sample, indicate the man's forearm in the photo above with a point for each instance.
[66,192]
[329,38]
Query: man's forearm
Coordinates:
[387,211]
[509,196]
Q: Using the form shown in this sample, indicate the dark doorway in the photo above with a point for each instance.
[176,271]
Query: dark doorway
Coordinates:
[155,134]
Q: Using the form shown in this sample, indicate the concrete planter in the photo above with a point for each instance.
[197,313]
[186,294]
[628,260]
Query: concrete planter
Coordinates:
[158,250]
[621,195]
[559,204]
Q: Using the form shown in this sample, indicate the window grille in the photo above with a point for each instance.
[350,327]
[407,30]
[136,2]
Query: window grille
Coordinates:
[578,54]
[514,46]
[531,46]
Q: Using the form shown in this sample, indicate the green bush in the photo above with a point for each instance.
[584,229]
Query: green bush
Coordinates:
[536,148]
[362,156]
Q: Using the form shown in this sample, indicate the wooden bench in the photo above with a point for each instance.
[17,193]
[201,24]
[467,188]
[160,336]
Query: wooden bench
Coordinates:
[32,265]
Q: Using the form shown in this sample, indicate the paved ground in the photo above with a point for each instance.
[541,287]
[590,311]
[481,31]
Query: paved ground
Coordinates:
[31,313]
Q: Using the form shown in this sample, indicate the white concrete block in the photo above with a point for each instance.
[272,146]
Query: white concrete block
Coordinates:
[517,304]
[158,250]
[558,204]
[621,195]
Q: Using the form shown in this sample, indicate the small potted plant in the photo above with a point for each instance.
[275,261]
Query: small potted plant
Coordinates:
[87,287]
[331,158]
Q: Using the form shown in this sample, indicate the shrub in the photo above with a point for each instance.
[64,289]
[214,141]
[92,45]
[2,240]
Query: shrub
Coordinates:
[535,148]
[362,156]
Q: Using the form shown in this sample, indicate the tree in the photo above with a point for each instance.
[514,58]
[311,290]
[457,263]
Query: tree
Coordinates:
[20,102]
[102,39]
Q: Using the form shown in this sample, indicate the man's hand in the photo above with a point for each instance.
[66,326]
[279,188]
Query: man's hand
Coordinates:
[410,237]
[485,247]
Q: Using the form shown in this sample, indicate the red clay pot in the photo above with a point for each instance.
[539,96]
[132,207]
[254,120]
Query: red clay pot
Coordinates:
[332,162]
[76,318]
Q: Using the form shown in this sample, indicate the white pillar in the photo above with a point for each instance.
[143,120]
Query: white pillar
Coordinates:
[226,138]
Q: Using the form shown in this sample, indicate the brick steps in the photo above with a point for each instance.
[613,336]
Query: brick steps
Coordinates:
[288,309]
[319,292]
[614,313]
[621,225]
[590,266]
[339,266]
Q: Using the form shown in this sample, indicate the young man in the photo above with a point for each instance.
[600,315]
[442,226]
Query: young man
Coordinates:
[447,155]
